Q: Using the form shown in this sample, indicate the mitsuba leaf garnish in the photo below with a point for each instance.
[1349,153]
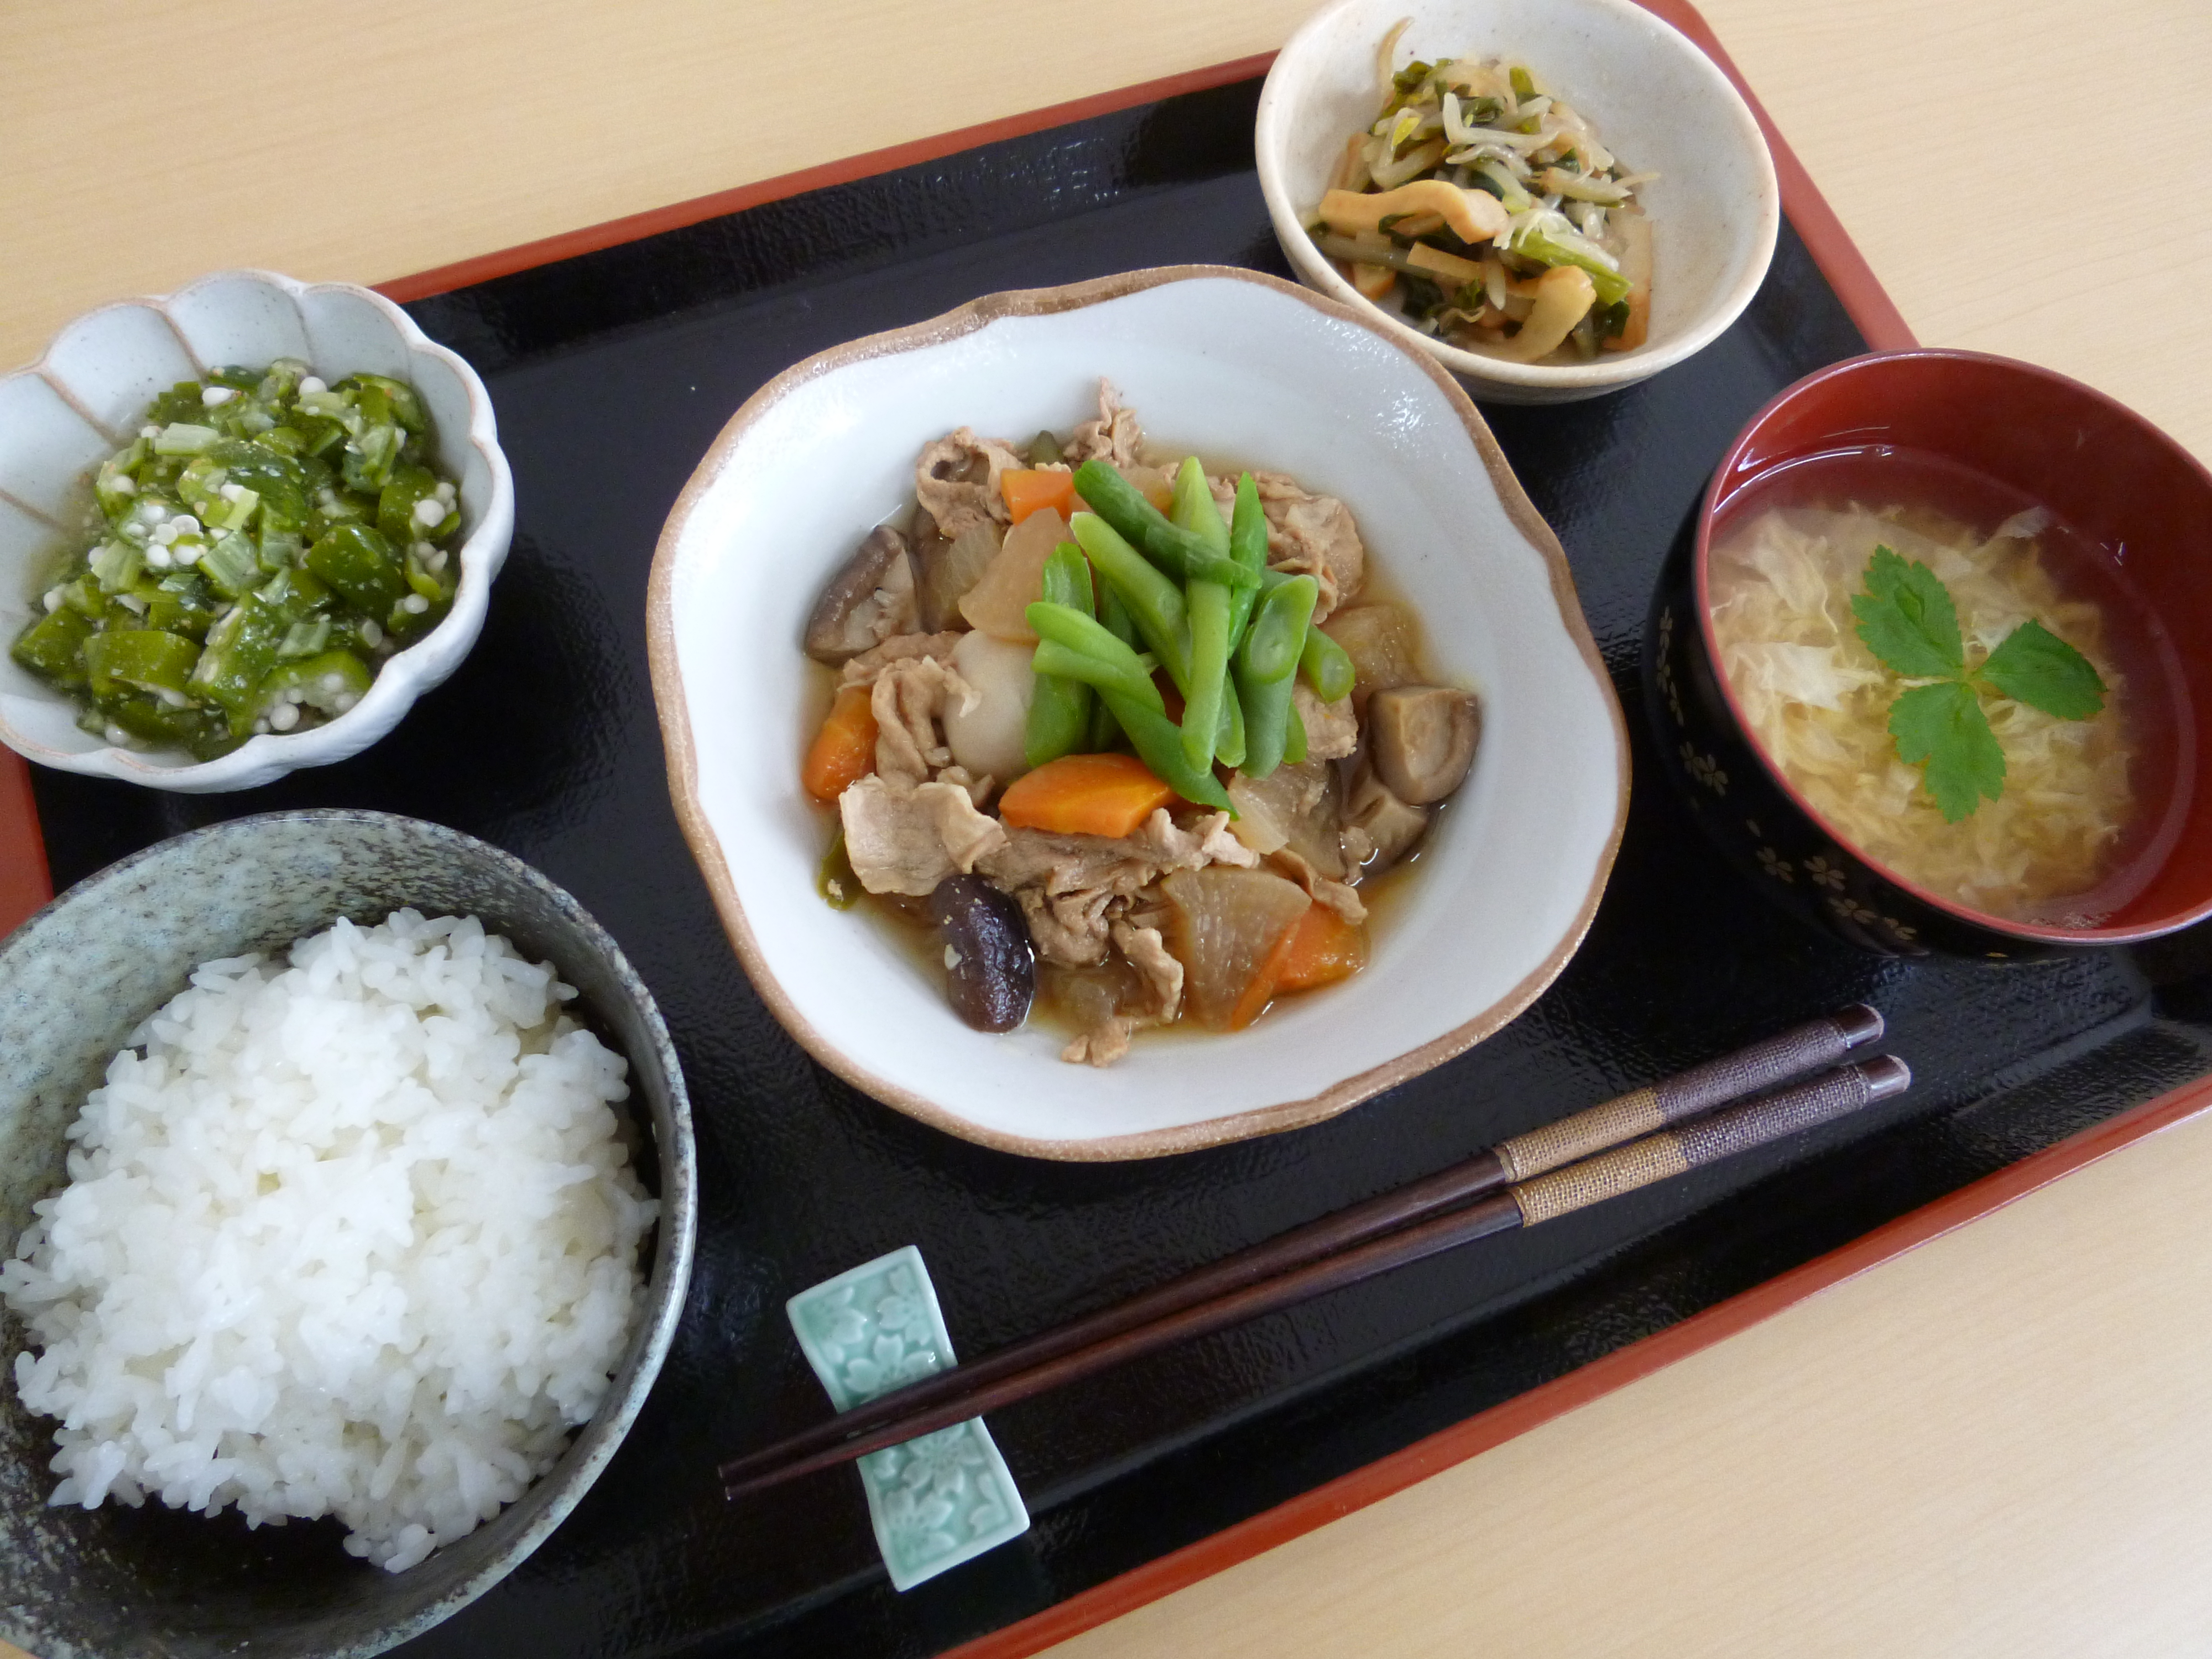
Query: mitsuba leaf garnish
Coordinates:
[1942,729]
[1907,620]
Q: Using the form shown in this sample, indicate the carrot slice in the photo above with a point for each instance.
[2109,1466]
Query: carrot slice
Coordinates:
[1031,491]
[1085,795]
[844,750]
[1324,948]
[1268,981]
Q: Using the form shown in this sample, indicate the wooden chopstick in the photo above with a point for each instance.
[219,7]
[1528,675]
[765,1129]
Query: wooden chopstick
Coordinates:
[1318,1255]
[1623,1168]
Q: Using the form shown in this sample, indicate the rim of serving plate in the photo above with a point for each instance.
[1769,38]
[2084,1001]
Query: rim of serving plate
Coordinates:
[705,848]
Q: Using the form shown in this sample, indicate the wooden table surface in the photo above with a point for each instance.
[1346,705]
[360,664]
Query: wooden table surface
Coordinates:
[1999,1443]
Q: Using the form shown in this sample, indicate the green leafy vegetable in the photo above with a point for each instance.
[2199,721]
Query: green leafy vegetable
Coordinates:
[2033,665]
[1906,618]
[1942,729]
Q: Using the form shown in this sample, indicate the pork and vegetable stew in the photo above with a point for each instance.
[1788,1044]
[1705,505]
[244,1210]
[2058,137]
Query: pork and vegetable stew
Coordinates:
[1122,740]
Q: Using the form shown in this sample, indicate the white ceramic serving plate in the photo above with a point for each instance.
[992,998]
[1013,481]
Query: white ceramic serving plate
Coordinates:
[1232,364]
[1658,102]
[69,411]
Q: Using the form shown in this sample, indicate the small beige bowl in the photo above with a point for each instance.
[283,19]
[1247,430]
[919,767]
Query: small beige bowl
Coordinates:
[69,411]
[1659,103]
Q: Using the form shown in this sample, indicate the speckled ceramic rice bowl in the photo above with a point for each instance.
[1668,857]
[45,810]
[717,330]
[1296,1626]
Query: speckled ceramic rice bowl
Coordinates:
[74,981]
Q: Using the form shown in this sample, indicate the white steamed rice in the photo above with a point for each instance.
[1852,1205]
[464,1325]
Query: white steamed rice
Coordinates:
[358,1237]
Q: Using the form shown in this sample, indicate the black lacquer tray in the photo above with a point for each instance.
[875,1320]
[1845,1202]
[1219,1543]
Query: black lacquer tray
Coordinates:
[611,372]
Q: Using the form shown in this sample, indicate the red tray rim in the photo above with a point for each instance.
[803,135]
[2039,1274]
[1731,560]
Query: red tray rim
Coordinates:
[25,885]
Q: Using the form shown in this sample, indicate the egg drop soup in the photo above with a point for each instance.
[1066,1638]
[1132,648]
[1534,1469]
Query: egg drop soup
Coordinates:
[2089,808]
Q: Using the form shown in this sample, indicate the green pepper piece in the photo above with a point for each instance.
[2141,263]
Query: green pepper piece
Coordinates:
[370,458]
[115,565]
[279,480]
[83,596]
[150,720]
[359,562]
[396,515]
[185,438]
[145,659]
[116,484]
[230,564]
[197,483]
[297,594]
[332,682]
[304,639]
[52,647]
[386,399]
[180,603]
[282,380]
[241,649]
[438,585]
[181,402]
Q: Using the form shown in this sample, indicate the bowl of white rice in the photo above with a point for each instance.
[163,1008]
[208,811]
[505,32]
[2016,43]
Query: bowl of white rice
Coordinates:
[347,1205]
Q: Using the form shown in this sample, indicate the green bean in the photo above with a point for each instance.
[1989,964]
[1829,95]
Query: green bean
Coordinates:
[1083,649]
[1230,749]
[1248,545]
[1327,665]
[1207,603]
[1294,742]
[1155,603]
[1114,616]
[1266,672]
[1178,551]
[1159,745]
[1066,663]
[1268,716]
[1060,707]
[1272,649]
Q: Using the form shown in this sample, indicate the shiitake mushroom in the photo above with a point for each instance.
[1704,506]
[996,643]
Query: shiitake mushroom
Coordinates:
[990,965]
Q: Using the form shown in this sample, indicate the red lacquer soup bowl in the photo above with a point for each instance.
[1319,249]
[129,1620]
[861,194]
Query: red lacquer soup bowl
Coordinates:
[1978,438]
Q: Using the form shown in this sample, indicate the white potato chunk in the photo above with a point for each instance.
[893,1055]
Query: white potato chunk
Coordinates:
[985,737]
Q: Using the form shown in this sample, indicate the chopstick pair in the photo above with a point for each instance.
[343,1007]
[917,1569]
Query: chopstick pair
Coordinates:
[1641,1137]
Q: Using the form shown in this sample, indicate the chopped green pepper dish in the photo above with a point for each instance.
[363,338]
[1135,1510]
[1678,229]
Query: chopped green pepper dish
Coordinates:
[252,556]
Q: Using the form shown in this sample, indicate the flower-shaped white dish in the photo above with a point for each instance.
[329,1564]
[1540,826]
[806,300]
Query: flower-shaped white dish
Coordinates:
[1658,102]
[1228,364]
[73,408]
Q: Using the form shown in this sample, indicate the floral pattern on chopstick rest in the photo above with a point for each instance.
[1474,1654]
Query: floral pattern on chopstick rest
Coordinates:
[935,1501]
